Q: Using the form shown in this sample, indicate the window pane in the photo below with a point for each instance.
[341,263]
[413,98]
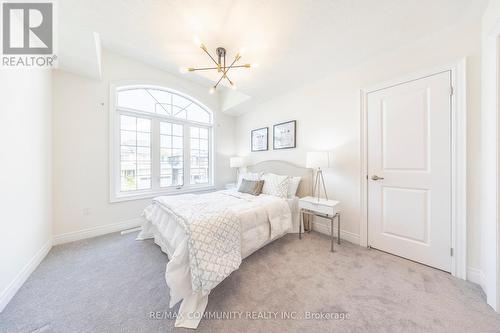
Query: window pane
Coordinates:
[144,169]
[128,138]
[166,180]
[171,155]
[177,129]
[198,156]
[143,139]
[163,109]
[137,99]
[128,153]
[166,141]
[165,154]
[128,183]
[164,101]
[177,142]
[143,125]
[165,128]
[177,153]
[135,153]
[179,112]
[143,154]
[180,101]
[204,133]
[199,176]
[128,123]
[143,182]
[195,132]
[204,145]
[196,113]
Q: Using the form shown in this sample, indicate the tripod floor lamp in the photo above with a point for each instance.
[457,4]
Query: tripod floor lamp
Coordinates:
[318,160]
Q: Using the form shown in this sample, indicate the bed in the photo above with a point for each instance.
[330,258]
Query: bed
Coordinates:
[224,228]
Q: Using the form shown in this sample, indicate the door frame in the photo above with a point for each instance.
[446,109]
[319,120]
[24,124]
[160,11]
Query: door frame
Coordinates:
[458,159]
[490,208]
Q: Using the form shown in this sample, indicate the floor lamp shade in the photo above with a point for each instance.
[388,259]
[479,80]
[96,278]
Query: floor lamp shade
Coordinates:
[318,159]
[236,162]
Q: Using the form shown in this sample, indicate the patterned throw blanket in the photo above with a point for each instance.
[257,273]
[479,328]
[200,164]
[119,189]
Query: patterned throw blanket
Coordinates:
[213,233]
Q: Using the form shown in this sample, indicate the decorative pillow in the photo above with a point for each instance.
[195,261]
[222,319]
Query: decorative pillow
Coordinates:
[253,187]
[249,176]
[275,185]
[293,186]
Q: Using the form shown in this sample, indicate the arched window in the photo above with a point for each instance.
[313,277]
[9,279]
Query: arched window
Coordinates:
[162,142]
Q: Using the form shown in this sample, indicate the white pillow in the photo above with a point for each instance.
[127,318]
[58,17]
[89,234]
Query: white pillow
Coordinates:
[249,176]
[275,185]
[293,186]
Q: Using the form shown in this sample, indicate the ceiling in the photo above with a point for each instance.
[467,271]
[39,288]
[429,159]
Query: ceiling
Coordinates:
[294,41]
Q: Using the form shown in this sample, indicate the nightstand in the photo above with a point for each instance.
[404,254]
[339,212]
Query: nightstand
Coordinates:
[230,186]
[328,209]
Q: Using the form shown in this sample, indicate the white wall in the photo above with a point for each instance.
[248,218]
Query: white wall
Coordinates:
[489,207]
[328,118]
[25,175]
[81,160]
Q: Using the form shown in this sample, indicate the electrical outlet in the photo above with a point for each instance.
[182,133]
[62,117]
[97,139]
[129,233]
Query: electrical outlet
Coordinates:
[86,212]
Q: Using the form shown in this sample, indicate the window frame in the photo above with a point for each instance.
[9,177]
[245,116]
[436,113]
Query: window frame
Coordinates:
[115,111]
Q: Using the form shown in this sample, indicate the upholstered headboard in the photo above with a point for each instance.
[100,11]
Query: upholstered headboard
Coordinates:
[287,168]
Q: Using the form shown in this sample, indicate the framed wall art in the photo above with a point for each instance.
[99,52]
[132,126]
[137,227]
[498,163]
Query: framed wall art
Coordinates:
[260,139]
[284,135]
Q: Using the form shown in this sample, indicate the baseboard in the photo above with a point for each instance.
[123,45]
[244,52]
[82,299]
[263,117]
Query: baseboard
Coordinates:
[476,275]
[23,275]
[96,231]
[345,235]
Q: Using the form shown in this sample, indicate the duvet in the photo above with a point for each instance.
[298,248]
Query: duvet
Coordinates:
[206,236]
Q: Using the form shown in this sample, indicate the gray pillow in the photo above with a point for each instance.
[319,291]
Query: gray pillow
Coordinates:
[253,187]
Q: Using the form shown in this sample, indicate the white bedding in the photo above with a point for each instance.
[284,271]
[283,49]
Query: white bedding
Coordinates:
[256,231]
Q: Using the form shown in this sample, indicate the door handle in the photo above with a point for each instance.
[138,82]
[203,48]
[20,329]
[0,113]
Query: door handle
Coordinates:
[375,177]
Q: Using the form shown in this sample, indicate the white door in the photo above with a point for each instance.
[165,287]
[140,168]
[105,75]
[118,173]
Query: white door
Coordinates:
[409,149]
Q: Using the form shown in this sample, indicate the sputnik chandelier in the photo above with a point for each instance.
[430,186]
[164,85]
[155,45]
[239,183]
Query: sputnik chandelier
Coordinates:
[220,65]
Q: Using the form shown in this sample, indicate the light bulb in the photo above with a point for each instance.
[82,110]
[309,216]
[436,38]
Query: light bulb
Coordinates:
[183,70]
[240,54]
[197,41]
[212,90]
[254,65]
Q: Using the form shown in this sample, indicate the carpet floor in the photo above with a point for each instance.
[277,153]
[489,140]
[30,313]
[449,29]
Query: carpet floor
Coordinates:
[116,284]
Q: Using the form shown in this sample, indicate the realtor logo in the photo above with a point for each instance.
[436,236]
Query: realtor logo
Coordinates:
[27,28]
[28,34]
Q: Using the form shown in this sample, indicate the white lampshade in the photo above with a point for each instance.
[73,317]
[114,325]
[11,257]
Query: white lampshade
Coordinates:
[318,159]
[236,162]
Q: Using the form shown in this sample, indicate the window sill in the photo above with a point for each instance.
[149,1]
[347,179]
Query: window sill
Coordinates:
[149,195]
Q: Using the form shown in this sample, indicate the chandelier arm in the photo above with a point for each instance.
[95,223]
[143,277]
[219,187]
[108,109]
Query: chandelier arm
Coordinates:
[203,69]
[241,66]
[230,66]
[224,75]
[227,70]
[230,82]
[208,53]
[212,68]
[219,81]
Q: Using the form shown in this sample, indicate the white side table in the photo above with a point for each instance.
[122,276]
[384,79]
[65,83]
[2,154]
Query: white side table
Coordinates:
[328,209]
